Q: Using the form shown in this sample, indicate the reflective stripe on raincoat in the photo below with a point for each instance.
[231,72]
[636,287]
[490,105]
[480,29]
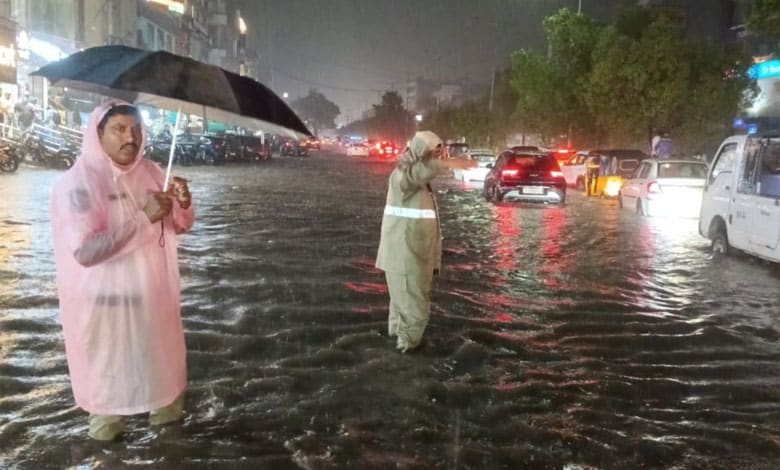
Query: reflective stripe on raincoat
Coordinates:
[118,282]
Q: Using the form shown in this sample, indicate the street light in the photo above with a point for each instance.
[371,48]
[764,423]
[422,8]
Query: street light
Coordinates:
[285,95]
[242,45]
[418,117]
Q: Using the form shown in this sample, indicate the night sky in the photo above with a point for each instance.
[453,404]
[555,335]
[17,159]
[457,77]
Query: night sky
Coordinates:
[352,50]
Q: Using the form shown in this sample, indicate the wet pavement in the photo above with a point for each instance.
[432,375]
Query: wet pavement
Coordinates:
[562,337]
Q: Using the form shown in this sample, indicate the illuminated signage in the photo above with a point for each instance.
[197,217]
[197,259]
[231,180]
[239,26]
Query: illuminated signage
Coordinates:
[768,69]
[173,5]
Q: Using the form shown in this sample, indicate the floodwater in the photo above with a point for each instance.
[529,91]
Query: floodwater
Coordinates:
[578,337]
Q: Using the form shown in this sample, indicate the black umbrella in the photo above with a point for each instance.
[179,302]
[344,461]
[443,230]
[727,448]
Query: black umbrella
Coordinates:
[165,80]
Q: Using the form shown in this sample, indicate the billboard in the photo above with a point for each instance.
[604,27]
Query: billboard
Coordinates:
[7,51]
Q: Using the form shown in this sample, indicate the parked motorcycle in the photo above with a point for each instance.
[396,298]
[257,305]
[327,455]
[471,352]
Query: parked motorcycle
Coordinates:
[9,159]
[292,148]
[37,153]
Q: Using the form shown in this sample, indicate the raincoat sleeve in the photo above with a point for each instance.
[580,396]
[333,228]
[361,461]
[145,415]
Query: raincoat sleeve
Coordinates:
[419,174]
[182,218]
[87,234]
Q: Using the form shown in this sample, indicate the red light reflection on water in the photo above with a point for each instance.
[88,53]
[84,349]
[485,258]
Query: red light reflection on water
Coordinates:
[506,238]
[553,261]
[366,287]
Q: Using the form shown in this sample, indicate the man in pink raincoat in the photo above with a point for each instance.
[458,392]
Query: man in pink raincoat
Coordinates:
[118,276]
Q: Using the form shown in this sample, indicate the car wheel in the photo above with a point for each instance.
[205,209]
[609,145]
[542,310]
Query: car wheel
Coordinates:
[720,242]
[487,192]
[639,207]
[497,196]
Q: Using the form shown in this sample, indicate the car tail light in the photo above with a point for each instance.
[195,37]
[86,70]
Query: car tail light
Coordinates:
[509,173]
[653,188]
[556,174]
[381,151]
[378,147]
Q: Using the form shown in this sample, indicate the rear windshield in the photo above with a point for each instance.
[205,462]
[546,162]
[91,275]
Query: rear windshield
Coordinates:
[538,162]
[682,170]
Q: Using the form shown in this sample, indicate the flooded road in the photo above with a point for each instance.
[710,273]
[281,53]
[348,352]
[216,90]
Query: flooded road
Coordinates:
[572,337]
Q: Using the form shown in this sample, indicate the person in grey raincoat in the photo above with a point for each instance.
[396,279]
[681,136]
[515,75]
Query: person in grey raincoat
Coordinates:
[410,244]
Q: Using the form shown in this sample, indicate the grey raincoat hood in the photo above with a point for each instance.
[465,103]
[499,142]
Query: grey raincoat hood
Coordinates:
[419,148]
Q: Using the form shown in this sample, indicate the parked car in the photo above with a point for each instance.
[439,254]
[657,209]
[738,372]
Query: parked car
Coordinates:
[246,148]
[607,170]
[665,188]
[574,170]
[357,149]
[485,159]
[741,204]
[534,177]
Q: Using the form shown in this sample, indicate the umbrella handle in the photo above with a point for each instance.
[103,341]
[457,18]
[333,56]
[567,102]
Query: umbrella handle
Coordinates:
[172,151]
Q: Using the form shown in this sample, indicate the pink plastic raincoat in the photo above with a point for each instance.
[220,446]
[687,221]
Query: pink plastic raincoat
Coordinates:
[119,289]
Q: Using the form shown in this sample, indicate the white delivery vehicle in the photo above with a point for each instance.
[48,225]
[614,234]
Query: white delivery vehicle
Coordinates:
[741,203]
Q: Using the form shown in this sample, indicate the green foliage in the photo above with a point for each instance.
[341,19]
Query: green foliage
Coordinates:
[765,18]
[540,93]
[318,111]
[719,90]
[391,121]
[551,91]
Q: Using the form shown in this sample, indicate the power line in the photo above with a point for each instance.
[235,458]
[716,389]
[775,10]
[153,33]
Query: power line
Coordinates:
[325,86]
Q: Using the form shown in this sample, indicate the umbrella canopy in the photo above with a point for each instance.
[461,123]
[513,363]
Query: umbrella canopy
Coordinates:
[165,80]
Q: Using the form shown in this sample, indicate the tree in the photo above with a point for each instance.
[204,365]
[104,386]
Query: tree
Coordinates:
[391,119]
[572,38]
[540,94]
[765,18]
[551,90]
[641,85]
[719,89]
[316,110]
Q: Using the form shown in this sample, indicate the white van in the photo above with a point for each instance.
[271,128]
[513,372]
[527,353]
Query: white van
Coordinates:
[741,203]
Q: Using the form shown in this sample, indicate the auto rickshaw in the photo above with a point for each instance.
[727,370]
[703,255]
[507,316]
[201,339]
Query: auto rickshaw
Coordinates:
[606,170]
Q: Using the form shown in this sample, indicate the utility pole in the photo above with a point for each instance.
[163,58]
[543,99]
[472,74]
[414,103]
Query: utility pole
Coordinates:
[490,103]
[110,22]
[492,86]
[406,114]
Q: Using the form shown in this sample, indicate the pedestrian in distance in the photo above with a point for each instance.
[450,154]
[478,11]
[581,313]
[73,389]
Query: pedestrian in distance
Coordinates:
[663,147]
[410,243]
[118,281]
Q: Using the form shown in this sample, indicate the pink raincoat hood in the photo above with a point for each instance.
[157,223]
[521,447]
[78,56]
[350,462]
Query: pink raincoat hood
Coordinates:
[118,282]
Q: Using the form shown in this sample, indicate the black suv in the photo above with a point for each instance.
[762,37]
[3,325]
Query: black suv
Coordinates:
[526,176]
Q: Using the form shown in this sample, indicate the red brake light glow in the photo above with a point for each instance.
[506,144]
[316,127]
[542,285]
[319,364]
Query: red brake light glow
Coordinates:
[653,188]
[556,174]
[509,173]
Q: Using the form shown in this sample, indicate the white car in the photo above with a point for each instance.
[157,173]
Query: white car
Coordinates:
[574,170]
[357,149]
[485,160]
[665,188]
